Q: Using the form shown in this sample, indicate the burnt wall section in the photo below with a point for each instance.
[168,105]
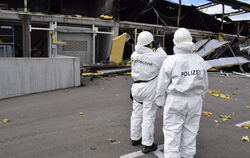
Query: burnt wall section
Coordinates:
[92,8]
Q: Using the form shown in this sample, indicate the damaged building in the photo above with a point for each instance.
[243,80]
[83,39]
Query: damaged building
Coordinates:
[104,32]
[46,15]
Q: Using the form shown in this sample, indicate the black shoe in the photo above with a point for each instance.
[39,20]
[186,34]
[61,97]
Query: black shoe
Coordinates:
[136,142]
[148,149]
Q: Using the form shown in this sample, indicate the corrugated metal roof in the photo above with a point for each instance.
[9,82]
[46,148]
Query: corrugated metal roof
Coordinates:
[217,9]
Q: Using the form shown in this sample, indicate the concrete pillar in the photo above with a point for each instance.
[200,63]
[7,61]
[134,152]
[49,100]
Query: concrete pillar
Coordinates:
[116,29]
[26,36]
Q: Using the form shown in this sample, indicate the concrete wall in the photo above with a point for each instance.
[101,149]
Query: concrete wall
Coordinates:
[21,76]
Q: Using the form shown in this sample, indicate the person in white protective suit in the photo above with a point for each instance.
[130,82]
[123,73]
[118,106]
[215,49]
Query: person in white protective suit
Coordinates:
[145,65]
[181,88]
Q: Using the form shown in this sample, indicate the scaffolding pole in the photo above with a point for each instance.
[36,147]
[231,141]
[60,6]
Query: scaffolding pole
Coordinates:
[222,18]
[25,6]
[179,14]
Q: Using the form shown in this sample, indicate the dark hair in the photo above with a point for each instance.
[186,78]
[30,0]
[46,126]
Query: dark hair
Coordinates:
[148,45]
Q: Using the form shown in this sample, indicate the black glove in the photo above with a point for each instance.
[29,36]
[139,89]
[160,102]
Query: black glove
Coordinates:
[156,44]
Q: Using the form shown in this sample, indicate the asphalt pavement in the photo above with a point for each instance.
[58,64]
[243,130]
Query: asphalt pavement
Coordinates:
[92,121]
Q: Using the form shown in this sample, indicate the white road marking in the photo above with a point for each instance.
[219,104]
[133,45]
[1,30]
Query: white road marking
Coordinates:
[157,153]
[133,155]
[240,124]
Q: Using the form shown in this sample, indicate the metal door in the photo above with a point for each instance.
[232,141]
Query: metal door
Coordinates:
[77,45]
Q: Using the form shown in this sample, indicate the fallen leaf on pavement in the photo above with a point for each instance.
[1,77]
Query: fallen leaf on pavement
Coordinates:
[246,126]
[111,140]
[81,113]
[6,120]
[225,117]
[216,91]
[224,96]
[245,138]
[206,113]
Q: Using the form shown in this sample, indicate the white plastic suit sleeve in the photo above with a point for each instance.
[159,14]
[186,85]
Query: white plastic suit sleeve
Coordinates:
[206,84]
[160,51]
[162,84]
[161,56]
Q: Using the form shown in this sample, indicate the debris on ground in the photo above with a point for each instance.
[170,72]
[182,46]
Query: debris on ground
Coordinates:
[226,62]
[206,113]
[210,47]
[81,113]
[113,141]
[93,148]
[216,121]
[5,120]
[126,74]
[216,91]
[222,73]
[235,92]
[225,117]
[105,70]
[246,126]
[245,138]
[242,74]
[117,48]
[224,96]
[223,55]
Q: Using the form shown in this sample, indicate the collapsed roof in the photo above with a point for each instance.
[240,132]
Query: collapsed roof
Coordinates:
[146,11]
[165,13]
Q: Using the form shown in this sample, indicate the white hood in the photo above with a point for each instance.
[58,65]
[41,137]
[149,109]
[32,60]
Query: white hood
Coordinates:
[184,48]
[142,49]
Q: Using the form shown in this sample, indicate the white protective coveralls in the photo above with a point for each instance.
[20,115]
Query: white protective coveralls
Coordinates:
[181,88]
[145,66]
